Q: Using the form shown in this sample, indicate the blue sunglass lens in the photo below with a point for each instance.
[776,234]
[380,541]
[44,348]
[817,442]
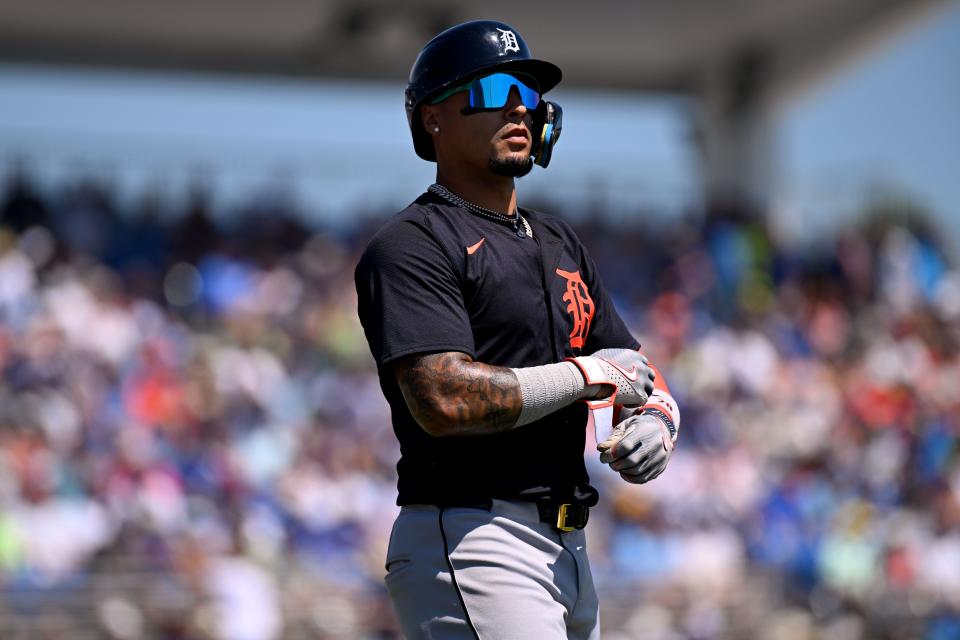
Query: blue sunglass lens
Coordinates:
[493,92]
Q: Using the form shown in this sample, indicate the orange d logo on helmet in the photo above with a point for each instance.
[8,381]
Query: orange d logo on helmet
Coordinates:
[579,305]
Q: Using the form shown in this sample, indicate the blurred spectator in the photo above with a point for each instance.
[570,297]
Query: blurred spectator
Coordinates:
[193,443]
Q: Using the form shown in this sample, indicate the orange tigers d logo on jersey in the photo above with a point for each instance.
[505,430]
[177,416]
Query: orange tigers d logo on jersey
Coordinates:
[579,305]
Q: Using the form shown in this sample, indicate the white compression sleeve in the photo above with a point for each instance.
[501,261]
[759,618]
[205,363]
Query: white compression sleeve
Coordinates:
[548,388]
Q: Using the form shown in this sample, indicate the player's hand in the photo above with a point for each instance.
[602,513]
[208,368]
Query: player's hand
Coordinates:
[638,448]
[624,372]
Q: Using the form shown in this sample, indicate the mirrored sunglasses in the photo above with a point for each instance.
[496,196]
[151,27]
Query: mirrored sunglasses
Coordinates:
[493,91]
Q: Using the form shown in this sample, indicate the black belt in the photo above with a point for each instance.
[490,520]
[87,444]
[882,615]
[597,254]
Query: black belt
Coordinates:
[565,516]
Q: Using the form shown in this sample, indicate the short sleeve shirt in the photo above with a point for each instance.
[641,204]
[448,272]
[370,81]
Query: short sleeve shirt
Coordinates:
[435,278]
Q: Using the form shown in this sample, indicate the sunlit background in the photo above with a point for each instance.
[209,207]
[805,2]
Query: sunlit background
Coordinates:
[193,443]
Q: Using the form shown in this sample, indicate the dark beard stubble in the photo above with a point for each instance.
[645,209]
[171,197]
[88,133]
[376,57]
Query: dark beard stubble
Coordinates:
[511,168]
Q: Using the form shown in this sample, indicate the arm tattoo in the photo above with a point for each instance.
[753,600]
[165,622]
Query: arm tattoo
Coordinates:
[451,395]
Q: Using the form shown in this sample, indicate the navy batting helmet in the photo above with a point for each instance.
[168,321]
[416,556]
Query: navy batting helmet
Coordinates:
[460,52]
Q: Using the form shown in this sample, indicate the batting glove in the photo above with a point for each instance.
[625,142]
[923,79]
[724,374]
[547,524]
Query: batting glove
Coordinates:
[624,374]
[639,447]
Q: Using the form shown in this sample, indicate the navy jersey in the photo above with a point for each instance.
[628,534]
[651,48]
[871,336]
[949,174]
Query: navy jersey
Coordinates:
[436,277]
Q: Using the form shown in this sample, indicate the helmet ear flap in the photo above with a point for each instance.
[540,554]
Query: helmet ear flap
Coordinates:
[422,141]
[547,123]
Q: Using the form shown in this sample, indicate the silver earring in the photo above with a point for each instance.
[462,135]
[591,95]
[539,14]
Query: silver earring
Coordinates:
[436,129]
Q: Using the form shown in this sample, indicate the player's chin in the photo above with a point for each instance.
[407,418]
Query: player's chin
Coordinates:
[513,164]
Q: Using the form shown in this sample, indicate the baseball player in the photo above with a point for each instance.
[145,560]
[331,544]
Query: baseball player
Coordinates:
[494,339]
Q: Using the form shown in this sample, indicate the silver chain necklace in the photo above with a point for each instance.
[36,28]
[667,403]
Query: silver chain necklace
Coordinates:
[476,209]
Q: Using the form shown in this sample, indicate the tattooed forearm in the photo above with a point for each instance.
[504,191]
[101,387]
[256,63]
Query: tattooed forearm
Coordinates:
[451,395]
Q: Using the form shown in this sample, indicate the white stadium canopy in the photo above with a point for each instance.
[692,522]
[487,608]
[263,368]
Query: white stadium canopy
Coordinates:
[738,59]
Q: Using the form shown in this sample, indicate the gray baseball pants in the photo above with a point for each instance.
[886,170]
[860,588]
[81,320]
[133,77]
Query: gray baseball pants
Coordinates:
[459,572]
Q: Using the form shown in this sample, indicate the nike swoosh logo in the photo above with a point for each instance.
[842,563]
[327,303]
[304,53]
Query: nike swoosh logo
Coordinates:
[631,375]
[473,248]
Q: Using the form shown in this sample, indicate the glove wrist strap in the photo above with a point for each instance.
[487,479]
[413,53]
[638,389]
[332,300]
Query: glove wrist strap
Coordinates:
[662,405]
[656,413]
[593,374]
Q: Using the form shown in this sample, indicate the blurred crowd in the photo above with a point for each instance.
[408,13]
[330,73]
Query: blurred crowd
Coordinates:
[193,443]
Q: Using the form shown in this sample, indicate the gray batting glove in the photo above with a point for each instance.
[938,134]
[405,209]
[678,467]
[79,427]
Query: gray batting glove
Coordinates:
[638,448]
[624,373]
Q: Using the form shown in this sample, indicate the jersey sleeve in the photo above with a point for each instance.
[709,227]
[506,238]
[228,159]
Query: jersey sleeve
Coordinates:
[408,296]
[608,331]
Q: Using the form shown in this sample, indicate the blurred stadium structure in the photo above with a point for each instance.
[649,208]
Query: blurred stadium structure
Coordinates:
[193,443]
[738,59]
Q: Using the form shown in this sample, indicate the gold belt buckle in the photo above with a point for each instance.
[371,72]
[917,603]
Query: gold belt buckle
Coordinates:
[562,518]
